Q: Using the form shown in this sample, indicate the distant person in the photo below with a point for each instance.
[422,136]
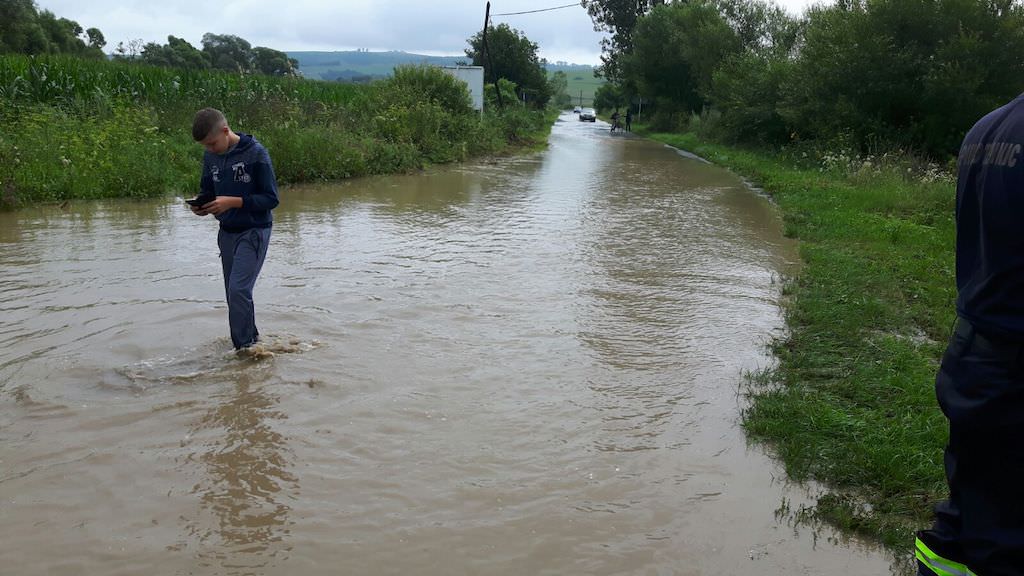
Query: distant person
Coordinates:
[615,120]
[239,188]
[980,383]
[629,119]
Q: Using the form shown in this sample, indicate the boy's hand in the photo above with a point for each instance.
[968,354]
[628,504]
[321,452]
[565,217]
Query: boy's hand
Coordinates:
[197,210]
[221,204]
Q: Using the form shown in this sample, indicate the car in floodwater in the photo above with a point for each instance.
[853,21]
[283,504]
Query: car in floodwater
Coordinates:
[588,115]
[576,110]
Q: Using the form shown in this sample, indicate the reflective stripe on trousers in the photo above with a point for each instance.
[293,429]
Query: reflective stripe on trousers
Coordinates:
[938,565]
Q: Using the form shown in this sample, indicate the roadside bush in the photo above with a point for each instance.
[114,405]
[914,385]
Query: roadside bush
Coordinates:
[411,85]
[914,74]
[391,158]
[516,124]
[707,124]
[484,138]
[312,154]
[610,96]
[669,117]
[747,88]
[51,155]
[506,88]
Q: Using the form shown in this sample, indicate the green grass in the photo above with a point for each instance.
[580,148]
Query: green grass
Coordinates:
[851,403]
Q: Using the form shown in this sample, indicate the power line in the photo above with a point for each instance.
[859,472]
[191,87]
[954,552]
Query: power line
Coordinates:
[541,10]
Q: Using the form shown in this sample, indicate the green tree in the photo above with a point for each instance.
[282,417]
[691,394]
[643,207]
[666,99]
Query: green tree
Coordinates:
[25,30]
[677,48]
[96,39]
[177,53]
[130,51]
[559,89]
[610,96]
[513,57]
[61,33]
[507,89]
[763,27]
[914,72]
[619,18]
[273,62]
[227,52]
[19,28]
[67,36]
[748,89]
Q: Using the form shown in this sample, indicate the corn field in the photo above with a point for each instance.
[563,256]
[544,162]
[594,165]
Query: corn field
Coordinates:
[66,80]
[74,128]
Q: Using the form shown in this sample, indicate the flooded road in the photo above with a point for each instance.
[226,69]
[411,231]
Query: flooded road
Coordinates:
[527,366]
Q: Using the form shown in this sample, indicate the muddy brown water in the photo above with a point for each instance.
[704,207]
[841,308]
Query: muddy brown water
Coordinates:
[526,366]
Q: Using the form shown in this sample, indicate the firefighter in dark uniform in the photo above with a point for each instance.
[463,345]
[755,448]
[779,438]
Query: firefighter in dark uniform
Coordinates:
[980,384]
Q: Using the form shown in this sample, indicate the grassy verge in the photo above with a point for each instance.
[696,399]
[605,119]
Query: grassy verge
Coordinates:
[851,403]
[72,129]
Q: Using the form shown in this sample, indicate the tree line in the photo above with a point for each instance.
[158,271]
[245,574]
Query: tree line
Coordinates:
[867,75]
[26,30]
[219,52]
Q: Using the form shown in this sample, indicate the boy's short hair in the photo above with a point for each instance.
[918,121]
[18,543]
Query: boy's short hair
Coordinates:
[206,121]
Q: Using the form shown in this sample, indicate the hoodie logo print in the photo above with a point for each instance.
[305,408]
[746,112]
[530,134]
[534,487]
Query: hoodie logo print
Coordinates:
[215,172]
[240,174]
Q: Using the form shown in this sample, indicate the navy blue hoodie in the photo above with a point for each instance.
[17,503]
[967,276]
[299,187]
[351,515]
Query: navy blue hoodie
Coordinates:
[990,223]
[244,171]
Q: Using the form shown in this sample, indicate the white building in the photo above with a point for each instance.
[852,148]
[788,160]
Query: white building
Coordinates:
[473,76]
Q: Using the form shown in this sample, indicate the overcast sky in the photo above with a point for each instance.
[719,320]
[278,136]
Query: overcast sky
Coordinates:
[420,26]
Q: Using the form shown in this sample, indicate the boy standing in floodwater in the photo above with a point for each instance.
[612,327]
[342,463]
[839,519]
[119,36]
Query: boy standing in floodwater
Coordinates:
[238,179]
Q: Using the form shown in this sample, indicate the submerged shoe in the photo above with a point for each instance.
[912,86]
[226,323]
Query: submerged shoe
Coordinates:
[255,351]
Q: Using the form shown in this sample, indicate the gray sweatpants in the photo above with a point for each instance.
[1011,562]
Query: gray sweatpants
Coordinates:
[241,257]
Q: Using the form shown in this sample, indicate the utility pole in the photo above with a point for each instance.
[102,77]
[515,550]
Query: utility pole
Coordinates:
[497,88]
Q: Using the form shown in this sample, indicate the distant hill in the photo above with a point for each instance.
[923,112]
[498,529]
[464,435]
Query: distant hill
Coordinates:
[581,86]
[358,65]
